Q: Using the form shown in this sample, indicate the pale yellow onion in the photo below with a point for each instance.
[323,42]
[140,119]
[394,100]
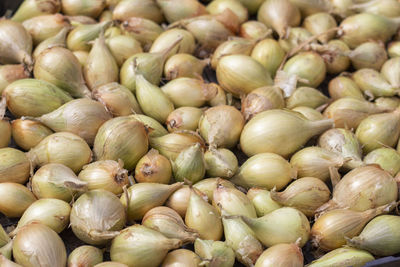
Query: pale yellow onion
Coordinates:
[5,133]
[309,7]
[28,133]
[80,20]
[84,256]
[101,67]
[147,9]
[233,201]
[11,73]
[56,181]
[16,43]
[118,100]
[319,23]
[4,261]
[265,170]
[373,83]
[387,8]
[234,46]
[241,74]
[14,166]
[393,49]
[388,102]
[33,8]
[272,131]
[184,65]
[156,129]
[181,9]
[270,54]
[307,97]
[262,201]
[91,8]
[122,138]
[220,163]
[387,158]
[335,56]
[309,113]
[363,188]
[110,264]
[343,86]
[220,98]
[341,256]
[342,8]
[97,217]
[57,40]
[138,245]
[189,164]
[59,66]
[122,47]
[153,168]
[203,217]
[181,257]
[81,36]
[184,118]
[379,130]
[142,197]
[295,37]
[331,228]
[221,126]
[217,253]
[178,201]
[344,142]
[253,29]
[143,30]
[390,71]
[38,245]
[218,6]
[284,225]
[169,223]
[45,26]
[105,174]
[348,112]
[51,212]
[279,14]
[64,148]
[16,198]
[305,194]
[281,255]
[81,56]
[163,41]
[316,162]
[368,55]
[207,187]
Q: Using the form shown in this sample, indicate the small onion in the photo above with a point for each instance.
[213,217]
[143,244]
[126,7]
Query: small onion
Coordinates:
[80,37]
[335,56]
[178,200]
[32,8]
[57,40]
[253,30]
[189,164]
[81,56]
[154,127]
[309,7]
[342,256]
[38,245]
[387,8]
[163,41]
[207,187]
[391,70]
[388,102]
[5,133]
[16,198]
[14,166]
[123,47]
[234,46]
[295,38]
[270,54]
[306,97]
[91,8]
[262,201]
[221,163]
[11,73]
[184,65]
[373,83]
[85,256]
[387,158]
[281,255]
[342,86]
[181,9]
[218,6]
[393,49]
[368,55]
[217,253]
[184,118]
[97,217]
[147,9]
[181,257]
[153,168]
[319,23]
[143,30]
[309,113]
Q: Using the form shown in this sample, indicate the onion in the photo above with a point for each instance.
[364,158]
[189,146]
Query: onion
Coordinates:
[181,9]
[207,187]
[387,8]
[215,252]
[45,26]
[80,37]
[393,49]
[310,113]
[387,158]
[38,245]
[253,29]
[335,55]
[390,103]
[147,9]
[153,168]
[170,36]
[368,55]
[270,54]
[294,39]
[184,65]
[181,257]
[57,40]
[309,7]
[11,73]
[85,256]
[262,201]
[373,83]
[342,256]
[156,128]
[143,30]
[81,56]
[221,163]
[16,198]
[306,97]
[97,217]
[32,8]
[189,164]
[391,70]
[281,255]
[319,23]
[123,47]
[178,201]
[184,118]
[91,8]
[14,166]
[235,6]
[27,133]
[5,133]
[342,86]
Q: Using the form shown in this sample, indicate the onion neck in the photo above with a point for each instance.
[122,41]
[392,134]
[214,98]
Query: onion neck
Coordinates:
[318,127]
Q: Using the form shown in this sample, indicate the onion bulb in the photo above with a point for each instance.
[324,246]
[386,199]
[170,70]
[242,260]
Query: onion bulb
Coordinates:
[373,83]
[281,255]
[32,8]
[11,73]
[184,118]
[306,97]
[181,9]
[393,49]
[143,30]
[387,8]
[236,46]
[189,164]
[179,200]
[5,133]
[269,53]
[319,23]
[342,256]
[147,9]
[368,55]
[310,113]
[181,257]
[253,30]
[207,187]
[157,129]
[85,256]
[123,47]
[262,201]
[342,86]
[153,168]
[184,65]
[216,253]
[220,163]
[170,36]
[81,36]
[391,70]
[14,166]
[97,217]
[387,158]
[57,40]
[16,198]
[90,8]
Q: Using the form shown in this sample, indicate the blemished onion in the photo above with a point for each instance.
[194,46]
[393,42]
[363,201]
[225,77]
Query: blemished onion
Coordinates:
[319,23]
[181,9]
[169,223]
[241,74]
[265,170]
[118,100]
[253,29]
[284,225]
[270,54]
[221,163]
[335,56]
[101,67]
[271,131]
[380,236]
[281,255]
[51,212]
[305,194]
[221,97]
[189,164]
[387,158]
[221,126]
[342,86]
[348,112]
[57,40]
[32,8]
[91,8]
[82,117]
[38,245]
[341,256]
[262,99]
[147,9]
[390,71]
[310,113]
[153,168]
[344,142]
[189,92]
[262,201]
[216,253]
[363,188]
[373,83]
[184,118]
[15,43]
[163,41]
[16,198]
[234,46]
[279,14]
[207,187]
[59,66]
[11,73]
[81,36]
[84,256]
[379,130]
[203,217]
[242,240]
[5,133]
[331,228]
[368,55]
[64,148]
[142,197]
[105,174]
[14,166]
[122,47]
[111,142]
[143,30]
[184,65]
[306,97]
[138,245]
[179,200]
[216,7]
[97,217]
[57,181]
[181,257]
[32,97]
[315,162]
[233,201]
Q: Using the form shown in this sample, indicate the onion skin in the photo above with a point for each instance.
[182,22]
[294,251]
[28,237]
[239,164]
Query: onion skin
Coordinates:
[11,73]
[319,23]
[38,245]
[147,9]
[170,36]
[189,164]
[237,46]
[218,252]
[80,37]
[341,86]
[181,257]
[5,133]
[14,166]
[16,199]
[85,256]
[221,163]
[179,200]
[387,158]
[122,47]
[253,29]
[57,40]
[184,118]
[32,8]
[184,65]
[217,7]
[341,256]
[143,30]
[368,55]
[281,255]
[153,168]
[269,53]
[181,9]
[90,8]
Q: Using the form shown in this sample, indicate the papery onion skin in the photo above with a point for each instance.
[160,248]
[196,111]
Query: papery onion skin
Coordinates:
[147,9]
[184,118]
[14,166]
[179,200]
[219,253]
[343,86]
[262,201]
[33,8]
[80,36]
[85,256]
[5,133]
[11,73]
[153,168]
[221,163]
[181,257]
[253,29]
[209,185]
[16,198]
[387,158]
[341,256]
[281,255]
